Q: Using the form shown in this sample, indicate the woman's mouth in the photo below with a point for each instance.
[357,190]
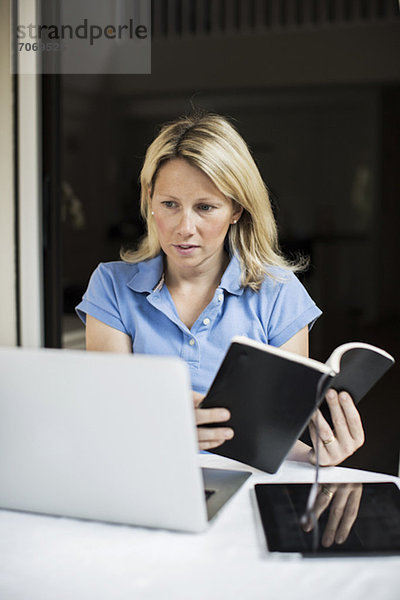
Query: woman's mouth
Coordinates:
[185,249]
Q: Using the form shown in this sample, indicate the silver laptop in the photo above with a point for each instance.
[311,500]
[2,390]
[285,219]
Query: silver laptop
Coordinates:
[102,436]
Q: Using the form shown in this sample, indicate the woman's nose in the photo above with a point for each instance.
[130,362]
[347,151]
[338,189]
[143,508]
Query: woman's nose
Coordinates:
[186,225]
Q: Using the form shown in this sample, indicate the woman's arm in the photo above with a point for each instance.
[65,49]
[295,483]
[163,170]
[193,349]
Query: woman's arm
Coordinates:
[103,338]
[347,435]
[298,343]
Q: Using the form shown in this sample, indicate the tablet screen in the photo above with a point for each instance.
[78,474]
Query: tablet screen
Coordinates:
[348,518]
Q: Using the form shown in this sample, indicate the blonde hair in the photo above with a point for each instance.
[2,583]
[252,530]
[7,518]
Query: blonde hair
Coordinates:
[212,144]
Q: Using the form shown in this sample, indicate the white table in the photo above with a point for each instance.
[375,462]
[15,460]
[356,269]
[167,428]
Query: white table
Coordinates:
[48,558]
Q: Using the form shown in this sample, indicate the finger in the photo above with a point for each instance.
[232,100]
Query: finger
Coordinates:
[350,513]
[313,436]
[335,515]
[210,445]
[322,501]
[325,430]
[348,433]
[213,437]
[211,415]
[353,418]
[329,453]
[345,416]
[197,398]
[211,434]
[347,421]
[338,417]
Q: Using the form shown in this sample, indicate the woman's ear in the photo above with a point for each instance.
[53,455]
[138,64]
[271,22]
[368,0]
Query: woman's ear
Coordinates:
[236,213]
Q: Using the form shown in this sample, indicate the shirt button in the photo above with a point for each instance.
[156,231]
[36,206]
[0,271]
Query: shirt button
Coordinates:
[206,321]
[220,297]
[192,342]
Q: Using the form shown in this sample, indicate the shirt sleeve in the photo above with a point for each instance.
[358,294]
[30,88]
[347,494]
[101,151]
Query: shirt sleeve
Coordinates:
[293,309]
[100,299]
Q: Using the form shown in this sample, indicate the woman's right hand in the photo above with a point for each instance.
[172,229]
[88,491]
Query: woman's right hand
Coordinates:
[210,437]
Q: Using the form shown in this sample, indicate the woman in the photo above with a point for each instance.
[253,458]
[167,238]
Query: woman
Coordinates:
[209,268]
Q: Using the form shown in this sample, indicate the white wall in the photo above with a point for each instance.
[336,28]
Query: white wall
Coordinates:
[8,313]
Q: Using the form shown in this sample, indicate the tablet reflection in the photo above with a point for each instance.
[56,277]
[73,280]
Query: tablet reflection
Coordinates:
[339,503]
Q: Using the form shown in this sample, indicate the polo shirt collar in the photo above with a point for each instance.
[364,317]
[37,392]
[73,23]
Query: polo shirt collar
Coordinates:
[150,272]
[148,275]
[231,279]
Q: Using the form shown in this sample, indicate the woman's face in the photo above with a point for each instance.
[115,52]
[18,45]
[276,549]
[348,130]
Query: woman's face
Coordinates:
[191,215]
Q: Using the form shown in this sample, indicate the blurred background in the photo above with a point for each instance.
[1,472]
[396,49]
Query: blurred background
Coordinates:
[314,88]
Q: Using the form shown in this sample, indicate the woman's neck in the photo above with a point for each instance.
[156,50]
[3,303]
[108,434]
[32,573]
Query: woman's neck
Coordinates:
[192,290]
[205,275]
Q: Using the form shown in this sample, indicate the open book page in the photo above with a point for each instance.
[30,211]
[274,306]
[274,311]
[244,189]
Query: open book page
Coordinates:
[359,366]
[355,366]
[336,356]
[292,356]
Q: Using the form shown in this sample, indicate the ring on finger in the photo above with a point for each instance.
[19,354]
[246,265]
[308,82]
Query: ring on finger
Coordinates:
[329,440]
[325,490]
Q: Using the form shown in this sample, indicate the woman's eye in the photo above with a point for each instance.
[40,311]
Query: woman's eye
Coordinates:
[169,204]
[206,207]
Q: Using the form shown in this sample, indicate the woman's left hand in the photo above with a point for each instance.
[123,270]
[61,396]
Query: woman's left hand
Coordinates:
[347,435]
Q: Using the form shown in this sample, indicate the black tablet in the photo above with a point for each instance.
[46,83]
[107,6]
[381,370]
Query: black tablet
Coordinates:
[351,519]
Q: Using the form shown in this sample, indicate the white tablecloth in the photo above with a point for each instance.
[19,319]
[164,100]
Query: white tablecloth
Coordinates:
[49,558]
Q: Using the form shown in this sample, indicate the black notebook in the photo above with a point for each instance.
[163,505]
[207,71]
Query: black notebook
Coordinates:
[271,394]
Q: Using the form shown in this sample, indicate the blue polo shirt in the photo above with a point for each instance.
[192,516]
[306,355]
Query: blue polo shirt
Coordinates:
[133,299]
